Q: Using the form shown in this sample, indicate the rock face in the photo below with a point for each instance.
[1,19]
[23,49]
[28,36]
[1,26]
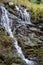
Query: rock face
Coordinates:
[29,36]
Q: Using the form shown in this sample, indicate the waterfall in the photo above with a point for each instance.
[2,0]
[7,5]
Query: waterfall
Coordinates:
[6,23]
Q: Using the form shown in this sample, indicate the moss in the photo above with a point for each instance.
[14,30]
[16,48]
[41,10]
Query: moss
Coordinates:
[5,41]
[8,60]
[6,48]
[4,0]
[2,64]
[18,60]
[37,15]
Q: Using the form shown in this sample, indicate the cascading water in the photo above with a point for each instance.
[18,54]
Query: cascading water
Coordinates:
[24,14]
[5,22]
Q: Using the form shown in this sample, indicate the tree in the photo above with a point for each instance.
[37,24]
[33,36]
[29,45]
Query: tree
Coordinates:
[38,1]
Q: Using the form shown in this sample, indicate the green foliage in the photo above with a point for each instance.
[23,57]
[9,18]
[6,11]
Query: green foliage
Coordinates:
[4,39]
[9,59]
[37,15]
[18,60]
[4,0]
[38,1]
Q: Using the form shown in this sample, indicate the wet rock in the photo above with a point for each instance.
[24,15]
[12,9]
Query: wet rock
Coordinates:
[1,4]
[34,59]
[11,3]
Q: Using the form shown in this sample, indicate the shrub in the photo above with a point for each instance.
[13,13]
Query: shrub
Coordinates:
[37,15]
[38,1]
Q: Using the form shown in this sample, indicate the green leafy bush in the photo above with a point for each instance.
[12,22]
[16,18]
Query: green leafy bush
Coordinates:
[38,1]
[37,15]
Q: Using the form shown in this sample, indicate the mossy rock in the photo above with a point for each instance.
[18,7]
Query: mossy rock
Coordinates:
[18,60]
[5,40]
